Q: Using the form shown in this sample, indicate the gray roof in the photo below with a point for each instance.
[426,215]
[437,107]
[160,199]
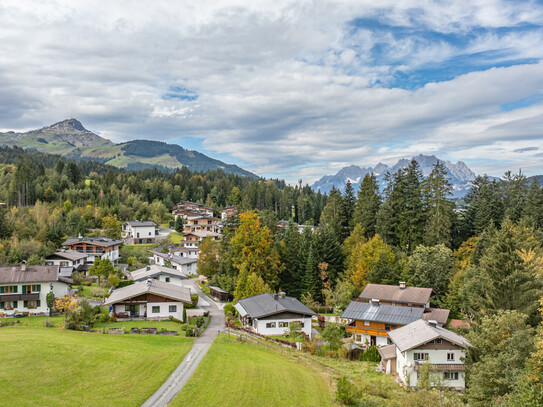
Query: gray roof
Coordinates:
[437,314]
[141,223]
[174,259]
[219,290]
[203,234]
[420,332]
[387,352]
[100,241]
[393,293]
[185,249]
[262,305]
[68,254]
[387,314]
[32,274]
[154,270]
[151,286]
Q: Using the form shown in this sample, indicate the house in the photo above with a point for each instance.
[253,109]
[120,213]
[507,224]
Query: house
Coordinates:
[272,314]
[25,288]
[218,294]
[95,247]
[187,208]
[188,252]
[228,211]
[183,264]
[200,223]
[424,341]
[151,299]
[139,232]
[66,258]
[372,321]
[284,224]
[193,239]
[400,295]
[165,274]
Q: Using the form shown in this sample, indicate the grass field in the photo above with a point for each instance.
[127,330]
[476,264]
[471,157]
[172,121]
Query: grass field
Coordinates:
[176,238]
[52,367]
[136,250]
[243,374]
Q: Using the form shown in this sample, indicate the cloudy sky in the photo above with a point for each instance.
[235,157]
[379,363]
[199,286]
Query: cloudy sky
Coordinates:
[288,89]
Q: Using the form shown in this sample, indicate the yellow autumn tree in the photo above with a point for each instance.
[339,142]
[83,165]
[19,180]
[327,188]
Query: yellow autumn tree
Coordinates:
[66,305]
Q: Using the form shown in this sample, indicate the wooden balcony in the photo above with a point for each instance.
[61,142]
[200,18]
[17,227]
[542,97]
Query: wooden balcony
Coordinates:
[365,331]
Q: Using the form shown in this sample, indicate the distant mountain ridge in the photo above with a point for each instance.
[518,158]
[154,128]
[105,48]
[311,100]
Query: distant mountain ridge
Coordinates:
[70,139]
[458,173]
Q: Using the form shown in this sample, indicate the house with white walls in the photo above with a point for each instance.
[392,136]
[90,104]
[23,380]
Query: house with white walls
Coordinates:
[272,314]
[151,299]
[139,232]
[160,273]
[25,288]
[186,265]
[95,247]
[424,342]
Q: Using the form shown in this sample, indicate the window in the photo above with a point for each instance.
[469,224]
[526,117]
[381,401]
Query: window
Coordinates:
[366,323]
[30,304]
[387,327]
[283,324]
[8,305]
[173,308]
[8,289]
[33,288]
[270,325]
[155,309]
[420,356]
[450,357]
[439,340]
[167,279]
[450,375]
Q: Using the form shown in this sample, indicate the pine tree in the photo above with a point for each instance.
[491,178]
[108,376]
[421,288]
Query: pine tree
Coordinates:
[367,205]
[533,209]
[349,204]
[333,214]
[440,208]
[311,277]
[293,260]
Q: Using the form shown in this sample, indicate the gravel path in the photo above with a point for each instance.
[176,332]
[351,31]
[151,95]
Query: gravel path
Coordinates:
[173,385]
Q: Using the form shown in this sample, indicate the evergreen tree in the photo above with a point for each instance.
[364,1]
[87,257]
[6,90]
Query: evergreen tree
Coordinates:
[484,206]
[311,276]
[293,260]
[329,252]
[440,208]
[533,208]
[333,214]
[367,205]
[515,189]
[431,267]
[349,204]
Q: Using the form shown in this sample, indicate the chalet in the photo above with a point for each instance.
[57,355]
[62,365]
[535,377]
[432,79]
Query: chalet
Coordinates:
[95,247]
[420,342]
[66,258]
[272,314]
[228,211]
[183,264]
[165,274]
[200,223]
[139,232]
[372,321]
[399,295]
[188,208]
[25,288]
[151,299]
[188,252]
[193,239]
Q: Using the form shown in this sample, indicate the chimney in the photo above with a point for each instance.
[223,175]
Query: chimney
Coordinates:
[23,265]
[282,294]
[375,302]
[402,285]
[149,282]
[148,268]
[275,297]
[432,322]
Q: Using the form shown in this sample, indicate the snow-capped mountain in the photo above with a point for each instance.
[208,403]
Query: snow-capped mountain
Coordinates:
[459,174]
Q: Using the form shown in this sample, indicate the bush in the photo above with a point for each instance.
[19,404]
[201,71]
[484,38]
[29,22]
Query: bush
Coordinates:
[191,330]
[86,283]
[229,309]
[346,392]
[200,321]
[48,323]
[113,280]
[194,301]
[124,283]
[371,355]
[97,292]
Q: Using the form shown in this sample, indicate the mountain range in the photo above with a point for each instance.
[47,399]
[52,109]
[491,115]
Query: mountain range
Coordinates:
[458,173]
[70,139]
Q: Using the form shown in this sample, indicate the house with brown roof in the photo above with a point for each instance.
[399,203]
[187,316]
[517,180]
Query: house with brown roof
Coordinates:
[25,288]
[152,299]
[400,295]
[425,342]
[95,247]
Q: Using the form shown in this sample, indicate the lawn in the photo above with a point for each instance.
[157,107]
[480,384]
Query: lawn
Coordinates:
[176,238]
[244,374]
[50,366]
[135,250]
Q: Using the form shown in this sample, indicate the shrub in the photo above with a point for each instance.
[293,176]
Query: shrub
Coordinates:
[113,280]
[124,283]
[371,355]
[191,330]
[229,309]
[200,321]
[97,292]
[346,391]
[194,301]
[48,323]
[86,283]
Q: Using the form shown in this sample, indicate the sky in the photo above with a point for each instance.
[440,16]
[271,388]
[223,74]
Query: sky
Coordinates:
[286,89]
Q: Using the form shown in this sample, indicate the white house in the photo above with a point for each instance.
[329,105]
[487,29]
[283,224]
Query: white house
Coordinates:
[25,288]
[160,273]
[188,252]
[272,314]
[66,258]
[139,232]
[95,247]
[151,299]
[420,342]
[183,264]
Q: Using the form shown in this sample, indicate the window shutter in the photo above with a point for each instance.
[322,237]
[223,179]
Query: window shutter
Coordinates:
[39,303]
[24,289]
[15,303]
[25,303]
[15,289]
[1,289]
[39,287]
[1,305]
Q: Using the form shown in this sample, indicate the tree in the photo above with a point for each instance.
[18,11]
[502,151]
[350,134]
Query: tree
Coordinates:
[293,260]
[501,344]
[333,334]
[358,235]
[111,227]
[208,261]
[249,284]
[333,214]
[101,268]
[66,305]
[437,190]
[50,300]
[179,224]
[367,205]
[533,209]
[294,330]
[349,204]
[431,267]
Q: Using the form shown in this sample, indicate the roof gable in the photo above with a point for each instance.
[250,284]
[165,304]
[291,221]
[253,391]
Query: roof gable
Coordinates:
[262,305]
[387,314]
[394,293]
[167,290]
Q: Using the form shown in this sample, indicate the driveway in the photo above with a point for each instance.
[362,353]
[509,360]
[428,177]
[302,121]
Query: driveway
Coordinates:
[173,385]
